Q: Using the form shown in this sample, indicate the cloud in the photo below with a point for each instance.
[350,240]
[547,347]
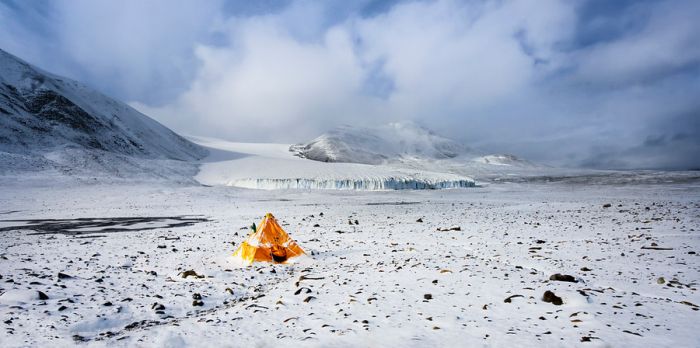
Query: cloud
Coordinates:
[591,83]
[135,50]
[433,62]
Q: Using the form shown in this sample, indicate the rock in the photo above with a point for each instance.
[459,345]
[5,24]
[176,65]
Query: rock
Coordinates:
[563,278]
[419,220]
[43,296]
[157,306]
[687,303]
[452,228]
[197,303]
[509,299]
[550,297]
[191,273]
[62,308]
[607,205]
[428,296]
[196,296]
[585,269]
[661,280]
[63,276]
[107,304]
[317,225]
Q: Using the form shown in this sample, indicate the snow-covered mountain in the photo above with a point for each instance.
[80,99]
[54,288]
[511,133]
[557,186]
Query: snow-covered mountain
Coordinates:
[393,142]
[408,146]
[403,143]
[503,160]
[51,122]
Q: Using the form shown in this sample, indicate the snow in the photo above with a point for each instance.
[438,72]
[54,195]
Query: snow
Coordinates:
[18,296]
[366,283]
[273,166]
[502,160]
[378,145]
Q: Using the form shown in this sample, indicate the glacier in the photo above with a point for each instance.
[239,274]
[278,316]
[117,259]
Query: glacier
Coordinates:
[371,184]
[272,166]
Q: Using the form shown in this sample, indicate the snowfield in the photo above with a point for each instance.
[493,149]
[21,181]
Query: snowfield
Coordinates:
[103,265]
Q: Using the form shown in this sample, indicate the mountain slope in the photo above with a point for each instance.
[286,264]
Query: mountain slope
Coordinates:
[387,143]
[49,120]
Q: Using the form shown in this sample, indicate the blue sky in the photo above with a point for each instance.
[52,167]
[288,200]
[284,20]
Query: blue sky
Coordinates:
[601,84]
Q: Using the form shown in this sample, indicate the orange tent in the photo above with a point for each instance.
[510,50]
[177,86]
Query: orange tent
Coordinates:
[268,243]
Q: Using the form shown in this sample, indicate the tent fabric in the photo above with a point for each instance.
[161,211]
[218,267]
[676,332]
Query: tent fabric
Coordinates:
[269,243]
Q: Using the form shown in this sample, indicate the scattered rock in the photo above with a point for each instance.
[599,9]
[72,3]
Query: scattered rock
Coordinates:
[695,307]
[631,333]
[654,247]
[550,297]
[308,299]
[563,278]
[63,276]
[191,273]
[509,298]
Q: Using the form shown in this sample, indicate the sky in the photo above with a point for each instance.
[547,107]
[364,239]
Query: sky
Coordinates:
[595,84]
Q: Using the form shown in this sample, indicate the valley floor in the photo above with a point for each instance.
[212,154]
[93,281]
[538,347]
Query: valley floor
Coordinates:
[108,259]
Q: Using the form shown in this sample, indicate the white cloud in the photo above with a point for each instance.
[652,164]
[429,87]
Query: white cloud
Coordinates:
[443,60]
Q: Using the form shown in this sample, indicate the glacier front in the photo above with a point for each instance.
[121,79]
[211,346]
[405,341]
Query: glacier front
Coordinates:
[374,184]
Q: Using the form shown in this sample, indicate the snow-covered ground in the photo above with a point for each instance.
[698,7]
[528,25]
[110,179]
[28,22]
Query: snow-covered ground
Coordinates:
[108,259]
